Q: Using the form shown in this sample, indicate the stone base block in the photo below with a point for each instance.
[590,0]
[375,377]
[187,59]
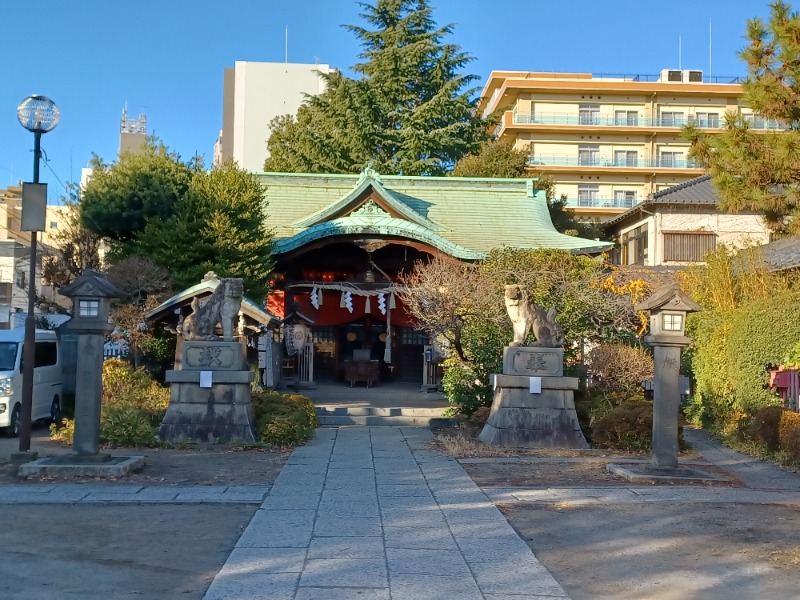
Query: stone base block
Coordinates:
[79,466]
[221,413]
[653,474]
[524,420]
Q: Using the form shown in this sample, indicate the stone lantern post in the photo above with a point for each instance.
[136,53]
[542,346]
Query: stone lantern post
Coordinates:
[668,308]
[91,295]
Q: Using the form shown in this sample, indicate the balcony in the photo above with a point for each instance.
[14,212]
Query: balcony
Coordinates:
[550,160]
[595,202]
[640,122]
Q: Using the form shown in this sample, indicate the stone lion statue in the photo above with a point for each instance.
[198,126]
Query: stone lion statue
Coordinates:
[526,316]
[222,308]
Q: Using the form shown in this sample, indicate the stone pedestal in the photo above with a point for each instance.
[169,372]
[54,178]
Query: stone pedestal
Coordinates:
[542,418]
[219,413]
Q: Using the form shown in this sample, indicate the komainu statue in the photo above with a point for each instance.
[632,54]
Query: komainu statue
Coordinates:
[222,308]
[526,316]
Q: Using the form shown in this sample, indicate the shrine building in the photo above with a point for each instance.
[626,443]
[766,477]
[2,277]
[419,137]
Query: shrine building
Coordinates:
[341,242]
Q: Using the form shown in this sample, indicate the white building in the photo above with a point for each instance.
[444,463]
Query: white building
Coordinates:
[254,93]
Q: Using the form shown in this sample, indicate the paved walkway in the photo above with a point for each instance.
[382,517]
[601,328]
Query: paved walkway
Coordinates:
[371,513]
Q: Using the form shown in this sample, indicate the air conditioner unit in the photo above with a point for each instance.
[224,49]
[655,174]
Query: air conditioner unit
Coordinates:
[693,77]
[671,75]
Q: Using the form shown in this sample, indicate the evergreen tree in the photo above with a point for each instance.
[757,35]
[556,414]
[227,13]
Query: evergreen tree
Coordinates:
[217,225]
[410,112]
[756,170]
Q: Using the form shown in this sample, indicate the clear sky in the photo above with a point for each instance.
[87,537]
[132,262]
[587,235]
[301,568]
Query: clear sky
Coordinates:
[166,58]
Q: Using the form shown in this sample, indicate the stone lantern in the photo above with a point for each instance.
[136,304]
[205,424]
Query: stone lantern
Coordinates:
[91,295]
[668,308]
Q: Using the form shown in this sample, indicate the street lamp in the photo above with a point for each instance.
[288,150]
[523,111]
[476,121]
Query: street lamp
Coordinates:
[37,114]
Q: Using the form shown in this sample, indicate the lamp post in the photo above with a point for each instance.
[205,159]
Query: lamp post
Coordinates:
[37,114]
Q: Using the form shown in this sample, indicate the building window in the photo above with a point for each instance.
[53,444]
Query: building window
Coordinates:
[670,160]
[588,114]
[707,119]
[323,334]
[413,337]
[629,118]
[19,279]
[588,154]
[688,247]
[634,246]
[624,198]
[626,158]
[588,194]
[672,119]
[53,224]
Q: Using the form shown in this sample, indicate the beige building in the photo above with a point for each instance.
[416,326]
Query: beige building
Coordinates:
[679,225]
[608,141]
[15,253]
[254,93]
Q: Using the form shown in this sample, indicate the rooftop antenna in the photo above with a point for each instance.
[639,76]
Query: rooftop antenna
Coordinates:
[286,51]
[709,49]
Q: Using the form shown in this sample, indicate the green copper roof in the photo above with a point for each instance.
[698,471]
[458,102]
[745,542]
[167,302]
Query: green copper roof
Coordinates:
[464,217]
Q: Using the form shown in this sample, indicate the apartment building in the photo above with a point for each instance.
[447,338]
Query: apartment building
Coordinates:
[253,94]
[608,141]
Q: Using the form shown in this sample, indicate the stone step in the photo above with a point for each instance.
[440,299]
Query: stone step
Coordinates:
[384,421]
[372,411]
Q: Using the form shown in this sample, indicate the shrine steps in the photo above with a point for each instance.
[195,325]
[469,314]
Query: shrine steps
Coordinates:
[337,416]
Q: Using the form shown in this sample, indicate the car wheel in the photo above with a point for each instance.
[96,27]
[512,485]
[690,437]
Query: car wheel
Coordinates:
[15,425]
[55,411]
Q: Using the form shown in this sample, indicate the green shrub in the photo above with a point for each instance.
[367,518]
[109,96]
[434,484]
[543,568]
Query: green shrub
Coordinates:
[765,427]
[732,351]
[131,409]
[283,419]
[790,434]
[627,426]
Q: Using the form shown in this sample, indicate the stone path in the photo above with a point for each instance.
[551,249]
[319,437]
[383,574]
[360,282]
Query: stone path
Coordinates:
[371,513]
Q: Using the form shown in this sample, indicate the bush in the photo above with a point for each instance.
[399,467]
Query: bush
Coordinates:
[131,409]
[283,419]
[732,351]
[790,434]
[765,427]
[619,367]
[628,426]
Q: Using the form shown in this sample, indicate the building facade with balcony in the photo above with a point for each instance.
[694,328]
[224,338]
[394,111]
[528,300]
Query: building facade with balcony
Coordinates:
[610,141]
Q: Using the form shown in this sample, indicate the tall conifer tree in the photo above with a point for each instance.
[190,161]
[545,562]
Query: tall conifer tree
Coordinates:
[757,170]
[409,113]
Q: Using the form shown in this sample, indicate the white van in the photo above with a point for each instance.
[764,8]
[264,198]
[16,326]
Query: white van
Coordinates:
[46,378]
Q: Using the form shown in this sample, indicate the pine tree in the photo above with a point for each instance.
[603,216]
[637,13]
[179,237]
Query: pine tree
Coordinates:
[410,112]
[756,170]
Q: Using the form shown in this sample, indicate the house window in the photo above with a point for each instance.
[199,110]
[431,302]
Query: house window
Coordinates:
[634,246]
[626,158]
[670,160]
[588,114]
[672,119]
[588,194]
[707,119]
[624,198]
[53,224]
[588,154]
[688,247]
[629,118]
[19,279]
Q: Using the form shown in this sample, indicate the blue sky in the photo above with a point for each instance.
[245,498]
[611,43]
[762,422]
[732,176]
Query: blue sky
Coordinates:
[166,58]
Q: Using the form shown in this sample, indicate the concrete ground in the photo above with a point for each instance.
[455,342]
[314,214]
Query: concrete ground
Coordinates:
[374,513]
